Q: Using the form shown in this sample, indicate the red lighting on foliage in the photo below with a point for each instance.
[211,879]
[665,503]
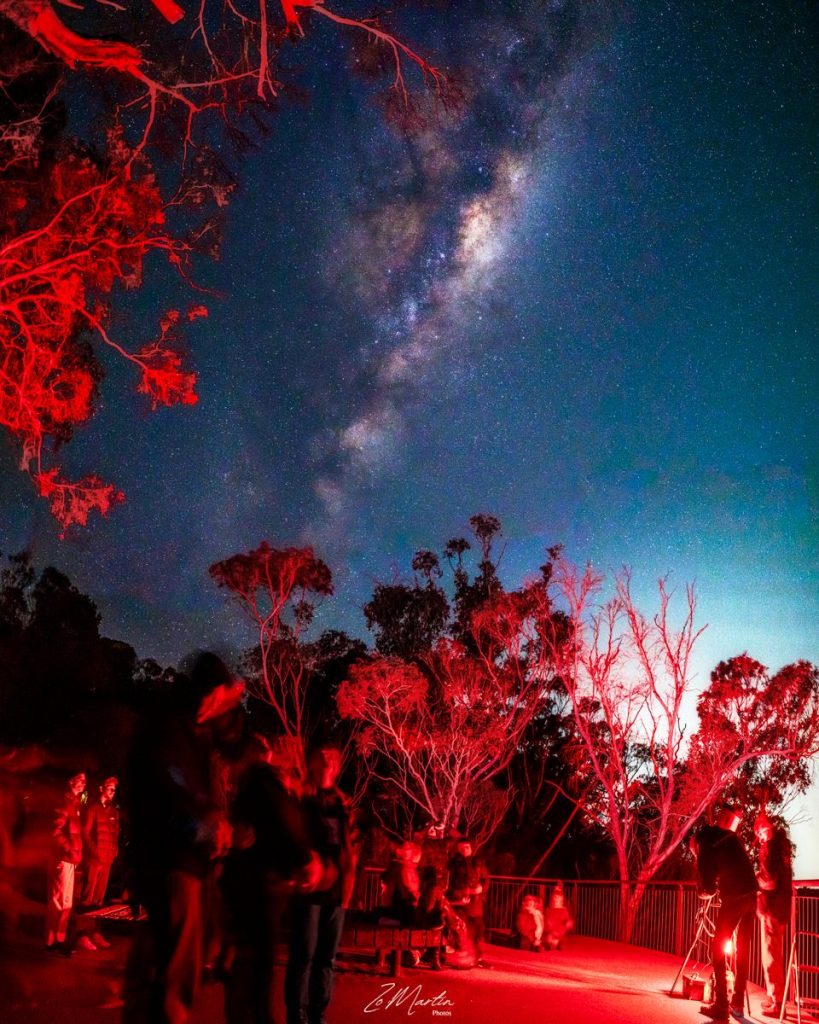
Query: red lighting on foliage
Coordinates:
[77,221]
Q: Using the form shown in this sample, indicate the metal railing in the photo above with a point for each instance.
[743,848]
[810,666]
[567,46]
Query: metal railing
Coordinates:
[666,920]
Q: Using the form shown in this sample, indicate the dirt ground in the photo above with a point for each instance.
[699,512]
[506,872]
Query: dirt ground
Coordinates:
[588,982]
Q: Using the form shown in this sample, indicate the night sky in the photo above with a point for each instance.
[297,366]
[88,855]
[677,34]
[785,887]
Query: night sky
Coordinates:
[588,307]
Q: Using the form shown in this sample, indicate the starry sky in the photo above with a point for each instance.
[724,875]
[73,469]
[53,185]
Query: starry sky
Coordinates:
[587,305]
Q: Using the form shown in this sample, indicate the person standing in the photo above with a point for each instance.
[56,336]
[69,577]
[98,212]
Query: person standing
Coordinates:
[726,869]
[101,841]
[317,917]
[66,854]
[178,831]
[269,854]
[775,878]
[468,882]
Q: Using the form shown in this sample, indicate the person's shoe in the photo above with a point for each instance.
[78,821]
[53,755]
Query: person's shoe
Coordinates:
[100,941]
[716,1011]
[771,1009]
[86,944]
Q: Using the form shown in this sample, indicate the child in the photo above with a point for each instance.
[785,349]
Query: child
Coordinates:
[557,919]
[529,922]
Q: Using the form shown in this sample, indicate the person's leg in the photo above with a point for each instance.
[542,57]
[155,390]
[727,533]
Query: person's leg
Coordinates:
[480,933]
[744,935]
[772,943]
[183,969]
[331,923]
[304,920]
[92,870]
[61,900]
[723,933]
[101,884]
[265,936]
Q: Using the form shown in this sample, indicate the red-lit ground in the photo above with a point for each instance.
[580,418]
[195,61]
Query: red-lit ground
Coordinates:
[589,982]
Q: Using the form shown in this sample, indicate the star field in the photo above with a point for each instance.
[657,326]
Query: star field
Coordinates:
[586,305]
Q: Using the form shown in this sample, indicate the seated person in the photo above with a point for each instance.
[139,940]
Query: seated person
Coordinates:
[401,885]
[557,920]
[529,922]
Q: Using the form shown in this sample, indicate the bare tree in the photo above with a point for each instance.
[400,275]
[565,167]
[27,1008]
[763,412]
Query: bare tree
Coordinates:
[629,681]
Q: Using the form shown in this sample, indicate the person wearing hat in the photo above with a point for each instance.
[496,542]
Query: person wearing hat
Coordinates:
[726,869]
[775,878]
[66,854]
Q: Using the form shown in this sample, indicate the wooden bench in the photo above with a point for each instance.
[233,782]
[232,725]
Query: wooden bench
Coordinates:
[389,938]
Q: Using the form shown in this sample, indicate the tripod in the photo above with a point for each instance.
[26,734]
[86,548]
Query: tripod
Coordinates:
[702,936]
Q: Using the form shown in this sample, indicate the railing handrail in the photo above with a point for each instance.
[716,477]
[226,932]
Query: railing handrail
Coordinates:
[798,883]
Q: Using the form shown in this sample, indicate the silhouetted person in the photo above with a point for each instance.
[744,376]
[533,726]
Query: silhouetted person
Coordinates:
[177,832]
[66,854]
[775,880]
[725,869]
[529,922]
[317,918]
[270,851]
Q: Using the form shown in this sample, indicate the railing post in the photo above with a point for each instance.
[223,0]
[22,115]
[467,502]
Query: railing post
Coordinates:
[678,922]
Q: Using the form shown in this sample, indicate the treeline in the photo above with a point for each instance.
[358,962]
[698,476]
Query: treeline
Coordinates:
[551,722]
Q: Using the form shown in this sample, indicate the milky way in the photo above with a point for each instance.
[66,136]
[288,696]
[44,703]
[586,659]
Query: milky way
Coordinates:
[585,304]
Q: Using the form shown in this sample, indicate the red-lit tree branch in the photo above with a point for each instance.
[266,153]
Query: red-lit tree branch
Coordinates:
[79,219]
[68,241]
[440,731]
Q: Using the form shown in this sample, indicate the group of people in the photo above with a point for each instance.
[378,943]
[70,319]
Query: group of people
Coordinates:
[540,928]
[224,833]
[726,870]
[85,839]
[434,897]
[218,845]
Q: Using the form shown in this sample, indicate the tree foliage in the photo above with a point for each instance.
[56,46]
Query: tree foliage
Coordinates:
[102,172]
[442,712]
[277,588]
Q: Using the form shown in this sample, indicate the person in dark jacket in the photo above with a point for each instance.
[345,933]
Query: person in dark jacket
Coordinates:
[317,917]
[66,854]
[177,833]
[468,882]
[725,869]
[270,854]
[775,879]
[101,841]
